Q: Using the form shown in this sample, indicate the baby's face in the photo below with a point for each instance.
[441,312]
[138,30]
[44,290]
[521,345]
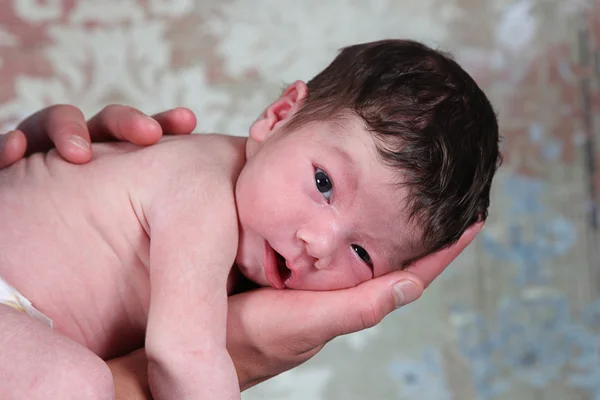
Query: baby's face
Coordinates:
[318,210]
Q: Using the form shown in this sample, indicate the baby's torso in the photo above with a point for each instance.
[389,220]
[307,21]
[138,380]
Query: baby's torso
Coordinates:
[74,240]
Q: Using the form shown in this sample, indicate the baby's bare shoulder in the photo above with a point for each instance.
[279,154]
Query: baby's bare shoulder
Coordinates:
[196,197]
[199,151]
[175,158]
[202,167]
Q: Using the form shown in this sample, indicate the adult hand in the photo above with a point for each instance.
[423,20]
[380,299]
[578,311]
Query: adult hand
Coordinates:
[64,126]
[271,331]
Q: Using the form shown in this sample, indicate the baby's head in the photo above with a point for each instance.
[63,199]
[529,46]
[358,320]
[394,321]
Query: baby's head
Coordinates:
[385,156]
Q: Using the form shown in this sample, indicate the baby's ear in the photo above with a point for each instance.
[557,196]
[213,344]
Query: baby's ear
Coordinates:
[280,111]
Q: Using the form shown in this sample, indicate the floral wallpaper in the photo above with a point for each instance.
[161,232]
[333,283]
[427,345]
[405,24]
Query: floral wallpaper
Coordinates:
[518,314]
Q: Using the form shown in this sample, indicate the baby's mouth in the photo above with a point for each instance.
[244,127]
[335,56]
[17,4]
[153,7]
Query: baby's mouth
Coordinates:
[284,272]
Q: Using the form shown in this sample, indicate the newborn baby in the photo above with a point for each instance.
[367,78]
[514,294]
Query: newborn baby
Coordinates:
[387,155]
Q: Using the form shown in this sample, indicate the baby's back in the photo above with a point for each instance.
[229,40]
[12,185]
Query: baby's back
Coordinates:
[73,239]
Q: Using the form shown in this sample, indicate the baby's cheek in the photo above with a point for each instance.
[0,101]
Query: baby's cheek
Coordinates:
[351,275]
[363,274]
[325,280]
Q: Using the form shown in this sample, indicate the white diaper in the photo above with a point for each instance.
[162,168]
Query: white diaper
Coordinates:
[12,298]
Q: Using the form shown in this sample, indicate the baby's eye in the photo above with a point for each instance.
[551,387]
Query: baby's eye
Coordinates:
[324,184]
[362,253]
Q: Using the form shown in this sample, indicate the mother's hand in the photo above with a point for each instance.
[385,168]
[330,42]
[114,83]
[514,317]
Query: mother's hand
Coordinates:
[64,126]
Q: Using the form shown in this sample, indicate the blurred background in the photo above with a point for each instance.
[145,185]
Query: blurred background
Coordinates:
[517,316]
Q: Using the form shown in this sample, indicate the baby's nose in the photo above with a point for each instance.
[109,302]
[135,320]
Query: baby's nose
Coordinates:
[322,263]
[320,241]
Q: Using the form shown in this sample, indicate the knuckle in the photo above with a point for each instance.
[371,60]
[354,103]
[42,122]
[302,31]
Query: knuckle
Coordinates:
[120,117]
[298,346]
[370,316]
[64,120]
[109,109]
[117,111]
[120,108]
[63,108]
[65,129]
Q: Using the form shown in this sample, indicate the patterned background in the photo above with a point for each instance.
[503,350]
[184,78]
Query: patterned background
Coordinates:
[518,315]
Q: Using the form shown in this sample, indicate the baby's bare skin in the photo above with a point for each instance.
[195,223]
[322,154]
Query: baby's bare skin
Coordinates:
[84,260]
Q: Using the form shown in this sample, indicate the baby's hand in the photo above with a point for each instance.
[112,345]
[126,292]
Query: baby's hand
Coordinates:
[64,126]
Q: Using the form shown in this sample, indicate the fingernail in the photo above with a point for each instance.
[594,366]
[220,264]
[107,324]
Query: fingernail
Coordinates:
[405,292]
[79,142]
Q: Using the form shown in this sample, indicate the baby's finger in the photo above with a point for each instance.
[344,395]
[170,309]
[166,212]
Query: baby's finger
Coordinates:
[62,126]
[124,123]
[12,148]
[178,121]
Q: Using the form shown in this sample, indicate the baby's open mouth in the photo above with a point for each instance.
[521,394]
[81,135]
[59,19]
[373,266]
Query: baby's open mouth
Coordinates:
[284,271]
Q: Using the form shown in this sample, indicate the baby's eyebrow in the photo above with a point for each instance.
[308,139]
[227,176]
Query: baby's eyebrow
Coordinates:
[349,170]
[343,154]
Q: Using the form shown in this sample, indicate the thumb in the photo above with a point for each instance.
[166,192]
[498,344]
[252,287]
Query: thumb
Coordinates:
[431,266]
[314,318]
[366,305]
[303,321]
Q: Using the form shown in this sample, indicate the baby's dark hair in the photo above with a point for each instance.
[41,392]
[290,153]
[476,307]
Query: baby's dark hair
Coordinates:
[429,120]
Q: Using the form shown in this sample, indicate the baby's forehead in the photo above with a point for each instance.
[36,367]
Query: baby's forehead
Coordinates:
[348,137]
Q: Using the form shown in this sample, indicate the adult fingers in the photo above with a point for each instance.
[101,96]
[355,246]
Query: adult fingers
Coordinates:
[124,123]
[178,121]
[12,148]
[62,126]
[309,319]
[305,320]
[364,306]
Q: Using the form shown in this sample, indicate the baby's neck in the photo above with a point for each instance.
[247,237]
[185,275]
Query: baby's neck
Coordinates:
[237,282]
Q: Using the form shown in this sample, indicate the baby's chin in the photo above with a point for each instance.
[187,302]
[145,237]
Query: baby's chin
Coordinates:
[254,275]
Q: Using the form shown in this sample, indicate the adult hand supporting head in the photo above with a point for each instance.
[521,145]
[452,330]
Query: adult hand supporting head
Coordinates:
[64,126]
[271,331]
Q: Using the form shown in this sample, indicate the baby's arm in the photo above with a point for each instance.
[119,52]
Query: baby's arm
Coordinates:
[193,229]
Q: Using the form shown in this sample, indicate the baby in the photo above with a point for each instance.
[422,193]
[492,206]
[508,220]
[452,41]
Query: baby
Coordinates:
[387,155]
